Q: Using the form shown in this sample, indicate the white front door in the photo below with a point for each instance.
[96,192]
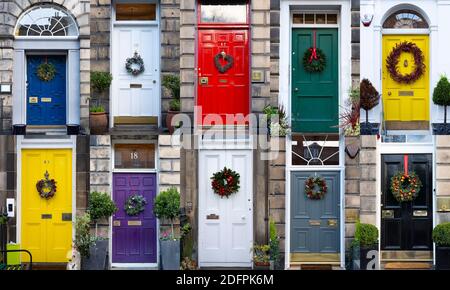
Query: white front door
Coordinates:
[225,224]
[135,97]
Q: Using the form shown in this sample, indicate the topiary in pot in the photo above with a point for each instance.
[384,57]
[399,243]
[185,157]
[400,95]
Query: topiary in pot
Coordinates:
[167,206]
[441,236]
[366,240]
[100,81]
[369,99]
[172,83]
[441,97]
[98,120]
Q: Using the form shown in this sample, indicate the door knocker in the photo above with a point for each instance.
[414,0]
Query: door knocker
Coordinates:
[405,63]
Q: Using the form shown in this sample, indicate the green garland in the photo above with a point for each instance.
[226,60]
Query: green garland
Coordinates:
[46,72]
[135,204]
[405,187]
[314,63]
[225,182]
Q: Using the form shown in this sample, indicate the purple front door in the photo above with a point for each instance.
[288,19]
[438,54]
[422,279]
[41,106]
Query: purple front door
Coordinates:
[134,237]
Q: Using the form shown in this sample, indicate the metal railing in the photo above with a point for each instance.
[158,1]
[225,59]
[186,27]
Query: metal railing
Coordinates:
[21,266]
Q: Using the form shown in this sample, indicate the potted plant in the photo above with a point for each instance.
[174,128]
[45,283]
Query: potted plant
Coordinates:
[274,246]
[441,236]
[83,239]
[441,97]
[369,99]
[167,206]
[277,123]
[351,113]
[172,83]
[100,207]
[366,241]
[261,257]
[100,82]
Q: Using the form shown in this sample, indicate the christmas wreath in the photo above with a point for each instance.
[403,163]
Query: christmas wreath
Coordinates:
[46,71]
[46,187]
[314,60]
[226,57]
[310,187]
[393,59]
[135,64]
[405,187]
[225,182]
[135,204]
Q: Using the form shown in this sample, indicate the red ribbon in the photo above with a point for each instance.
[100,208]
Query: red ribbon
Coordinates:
[405,164]
[313,49]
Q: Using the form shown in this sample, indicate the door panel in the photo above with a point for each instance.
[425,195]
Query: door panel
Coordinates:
[134,243]
[225,224]
[405,102]
[315,95]
[49,240]
[136,96]
[224,93]
[307,235]
[404,231]
[46,100]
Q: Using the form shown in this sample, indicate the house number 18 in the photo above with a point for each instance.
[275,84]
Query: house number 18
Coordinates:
[134,155]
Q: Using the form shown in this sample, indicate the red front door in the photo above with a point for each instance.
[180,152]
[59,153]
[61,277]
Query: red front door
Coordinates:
[227,92]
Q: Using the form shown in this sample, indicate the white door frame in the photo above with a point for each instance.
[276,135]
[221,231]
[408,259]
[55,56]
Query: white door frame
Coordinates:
[344,67]
[242,148]
[68,46]
[44,143]
[114,65]
[118,170]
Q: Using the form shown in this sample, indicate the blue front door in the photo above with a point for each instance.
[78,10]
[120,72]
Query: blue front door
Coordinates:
[46,99]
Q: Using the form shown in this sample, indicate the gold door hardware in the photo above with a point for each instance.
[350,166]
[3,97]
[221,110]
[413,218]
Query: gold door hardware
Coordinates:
[389,93]
[46,100]
[420,213]
[387,214]
[332,223]
[223,81]
[46,216]
[212,217]
[314,222]
[135,223]
[33,100]
[66,217]
[204,80]
[116,223]
[406,93]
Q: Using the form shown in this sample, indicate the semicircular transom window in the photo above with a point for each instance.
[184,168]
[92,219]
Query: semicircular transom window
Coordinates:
[405,19]
[46,21]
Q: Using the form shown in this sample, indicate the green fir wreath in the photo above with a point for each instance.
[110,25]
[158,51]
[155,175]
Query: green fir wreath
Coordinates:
[315,187]
[314,60]
[135,65]
[405,187]
[225,182]
[135,204]
[46,187]
[46,71]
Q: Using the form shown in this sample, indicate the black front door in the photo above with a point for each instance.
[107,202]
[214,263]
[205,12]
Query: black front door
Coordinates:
[407,225]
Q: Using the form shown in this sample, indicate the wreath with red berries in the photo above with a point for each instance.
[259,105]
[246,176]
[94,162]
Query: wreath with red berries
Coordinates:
[405,187]
[315,187]
[46,187]
[225,182]
[393,59]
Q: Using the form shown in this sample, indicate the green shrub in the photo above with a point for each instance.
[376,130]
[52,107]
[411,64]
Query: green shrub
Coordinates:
[175,105]
[167,205]
[441,95]
[441,234]
[274,242]
[172,83]
[100,205]
[97,109]
[366,235]
[100,81]
[83,240]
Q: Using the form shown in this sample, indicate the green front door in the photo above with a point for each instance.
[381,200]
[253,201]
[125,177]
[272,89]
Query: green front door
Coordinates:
[315,95]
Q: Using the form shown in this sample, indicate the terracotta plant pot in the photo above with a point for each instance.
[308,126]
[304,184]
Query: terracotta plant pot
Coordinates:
[169,117]
[98,123]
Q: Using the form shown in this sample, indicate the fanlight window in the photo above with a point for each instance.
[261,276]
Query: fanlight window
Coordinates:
[315,150]
[405,19]
[46,21]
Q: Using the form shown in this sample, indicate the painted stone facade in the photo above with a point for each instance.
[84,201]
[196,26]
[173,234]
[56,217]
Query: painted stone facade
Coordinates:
[11,11]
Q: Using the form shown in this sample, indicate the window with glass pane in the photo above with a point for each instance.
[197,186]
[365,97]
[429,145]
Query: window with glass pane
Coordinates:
[134,156]
[135,11]
[315,150]
[45,21]
[405,19]
[216,11]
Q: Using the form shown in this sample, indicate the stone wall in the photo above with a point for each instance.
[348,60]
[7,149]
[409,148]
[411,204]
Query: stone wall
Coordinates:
[8,178]
[442,174]
[368,182]
[100,163]
[82,172]
[10,10]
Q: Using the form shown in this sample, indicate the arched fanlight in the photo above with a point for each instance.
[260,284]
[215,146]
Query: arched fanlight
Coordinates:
[46,21]
[405,19]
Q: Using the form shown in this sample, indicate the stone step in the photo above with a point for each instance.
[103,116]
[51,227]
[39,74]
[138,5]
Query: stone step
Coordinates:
[407,266]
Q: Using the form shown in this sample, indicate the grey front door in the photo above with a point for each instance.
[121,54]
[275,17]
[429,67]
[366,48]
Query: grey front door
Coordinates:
[315,223]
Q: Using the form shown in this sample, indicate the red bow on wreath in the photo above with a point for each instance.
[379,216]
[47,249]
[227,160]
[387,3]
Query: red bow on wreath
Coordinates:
[313,50]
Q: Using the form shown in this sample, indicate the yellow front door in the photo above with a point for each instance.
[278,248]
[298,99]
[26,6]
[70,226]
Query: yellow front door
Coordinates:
[406,106]
[46,223]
